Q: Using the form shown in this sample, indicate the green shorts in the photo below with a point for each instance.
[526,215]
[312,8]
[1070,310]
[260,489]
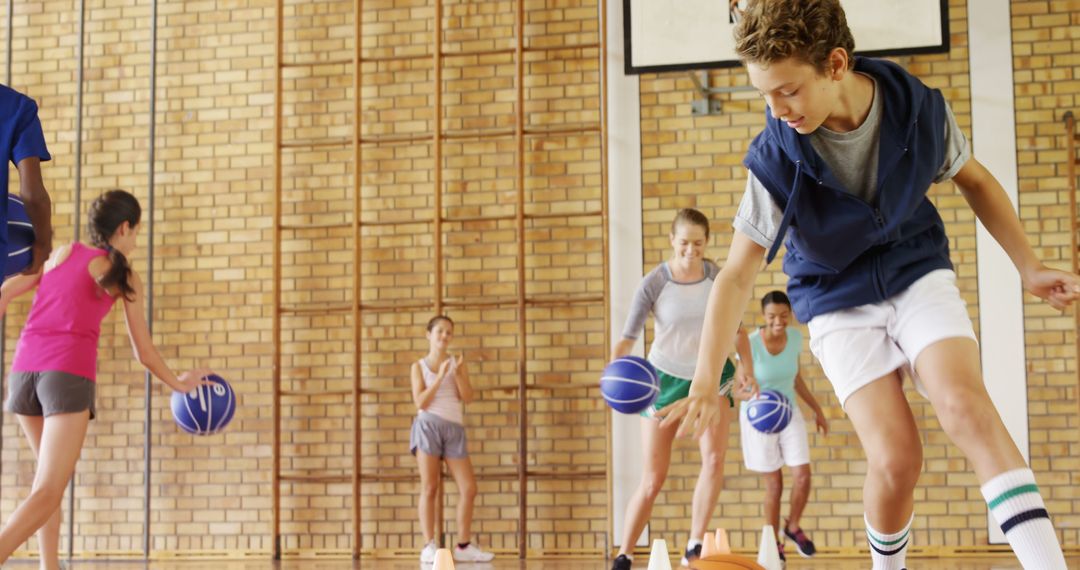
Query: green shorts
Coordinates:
[673,389]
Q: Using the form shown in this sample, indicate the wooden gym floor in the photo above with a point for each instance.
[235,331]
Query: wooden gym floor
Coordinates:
[965,563]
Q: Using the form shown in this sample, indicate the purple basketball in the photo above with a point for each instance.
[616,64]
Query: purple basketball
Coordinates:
[205,410]
[20,238]
[770,412]
[629,384]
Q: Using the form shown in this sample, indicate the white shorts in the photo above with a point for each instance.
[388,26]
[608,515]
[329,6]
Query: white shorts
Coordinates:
[859,345]
[768,452]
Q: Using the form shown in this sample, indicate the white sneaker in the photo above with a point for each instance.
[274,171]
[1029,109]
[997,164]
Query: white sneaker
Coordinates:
[427,555]
[472,554]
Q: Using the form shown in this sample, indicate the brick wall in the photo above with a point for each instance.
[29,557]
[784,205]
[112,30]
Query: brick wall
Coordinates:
[213,263]
[213,277]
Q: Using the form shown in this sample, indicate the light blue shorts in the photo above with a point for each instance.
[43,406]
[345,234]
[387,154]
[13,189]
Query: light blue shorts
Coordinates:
[437,437]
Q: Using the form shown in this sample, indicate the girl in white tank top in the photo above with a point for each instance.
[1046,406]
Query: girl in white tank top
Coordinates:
[446,403]
[440,388]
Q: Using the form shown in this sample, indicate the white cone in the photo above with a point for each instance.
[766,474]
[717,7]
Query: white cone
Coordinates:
[659,559]
[768,556]
[443,560]
[723,546]
[708,545]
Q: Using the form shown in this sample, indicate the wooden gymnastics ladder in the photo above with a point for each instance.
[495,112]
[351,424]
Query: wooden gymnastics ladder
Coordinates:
[522,472]
[1072,158]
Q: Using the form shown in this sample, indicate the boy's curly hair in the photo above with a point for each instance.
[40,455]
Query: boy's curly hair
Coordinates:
[774,30]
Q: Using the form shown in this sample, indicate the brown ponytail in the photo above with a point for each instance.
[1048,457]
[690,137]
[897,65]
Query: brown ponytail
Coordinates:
[106,214]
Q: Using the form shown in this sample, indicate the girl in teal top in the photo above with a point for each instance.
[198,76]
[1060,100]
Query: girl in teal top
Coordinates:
[775,349]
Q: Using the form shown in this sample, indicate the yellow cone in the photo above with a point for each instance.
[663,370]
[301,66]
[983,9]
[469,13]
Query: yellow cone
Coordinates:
[443,560]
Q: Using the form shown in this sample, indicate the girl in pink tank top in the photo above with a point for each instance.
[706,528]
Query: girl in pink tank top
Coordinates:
[440,385]
[51,385]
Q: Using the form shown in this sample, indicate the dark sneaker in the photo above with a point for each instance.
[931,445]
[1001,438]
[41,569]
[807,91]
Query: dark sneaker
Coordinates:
[621,563]
[691,555]
[802,543]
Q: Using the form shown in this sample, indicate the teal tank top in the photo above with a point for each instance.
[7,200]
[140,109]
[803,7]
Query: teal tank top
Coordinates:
[777,371]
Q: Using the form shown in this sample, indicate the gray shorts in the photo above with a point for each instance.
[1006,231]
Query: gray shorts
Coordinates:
[437,437]
[48,393]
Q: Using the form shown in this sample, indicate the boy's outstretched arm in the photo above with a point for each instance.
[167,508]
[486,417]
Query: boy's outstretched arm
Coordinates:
[992,206]
[727,302]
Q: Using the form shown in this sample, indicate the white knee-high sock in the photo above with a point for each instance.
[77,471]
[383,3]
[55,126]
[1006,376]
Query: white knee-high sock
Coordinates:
[1018,507]
[889,551]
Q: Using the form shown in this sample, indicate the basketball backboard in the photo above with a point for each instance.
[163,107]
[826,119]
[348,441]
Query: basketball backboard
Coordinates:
[673,35]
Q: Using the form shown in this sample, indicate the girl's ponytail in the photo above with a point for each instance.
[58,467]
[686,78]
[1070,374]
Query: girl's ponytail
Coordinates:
[107,213]
[118,275]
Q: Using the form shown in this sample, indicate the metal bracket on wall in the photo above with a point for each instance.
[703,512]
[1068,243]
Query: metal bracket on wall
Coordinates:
[706,104]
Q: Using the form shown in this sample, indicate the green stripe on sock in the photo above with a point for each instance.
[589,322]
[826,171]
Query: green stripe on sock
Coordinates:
[884,542]
[1021,490]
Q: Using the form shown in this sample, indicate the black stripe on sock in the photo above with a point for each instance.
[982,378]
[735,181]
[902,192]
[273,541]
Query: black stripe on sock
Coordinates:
[887,552]
[1024,517]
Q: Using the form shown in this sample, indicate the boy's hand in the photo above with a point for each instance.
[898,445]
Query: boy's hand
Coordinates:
[1058,288]
[697,412]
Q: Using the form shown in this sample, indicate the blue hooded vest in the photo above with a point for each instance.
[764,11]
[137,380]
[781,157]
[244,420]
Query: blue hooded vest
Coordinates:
[844,252]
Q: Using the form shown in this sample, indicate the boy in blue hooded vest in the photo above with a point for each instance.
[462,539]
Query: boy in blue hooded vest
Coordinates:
[842,169]
[22,142]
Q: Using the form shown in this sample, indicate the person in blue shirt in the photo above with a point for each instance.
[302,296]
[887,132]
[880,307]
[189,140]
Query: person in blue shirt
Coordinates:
[23,143]
[775,349]
[840,175]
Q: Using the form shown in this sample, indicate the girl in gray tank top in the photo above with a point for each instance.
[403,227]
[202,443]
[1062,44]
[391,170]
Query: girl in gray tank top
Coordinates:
[676,293]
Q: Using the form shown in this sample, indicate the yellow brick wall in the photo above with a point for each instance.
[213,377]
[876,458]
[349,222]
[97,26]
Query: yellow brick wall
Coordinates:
[213,275]
[696,161]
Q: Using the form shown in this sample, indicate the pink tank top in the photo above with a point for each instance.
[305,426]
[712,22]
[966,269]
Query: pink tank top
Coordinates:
[447,403]
[62,330]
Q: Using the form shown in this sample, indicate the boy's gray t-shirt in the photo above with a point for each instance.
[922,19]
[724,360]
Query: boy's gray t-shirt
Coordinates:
[853,158]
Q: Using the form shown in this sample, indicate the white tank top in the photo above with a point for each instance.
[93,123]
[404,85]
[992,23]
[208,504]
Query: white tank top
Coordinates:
[447,402]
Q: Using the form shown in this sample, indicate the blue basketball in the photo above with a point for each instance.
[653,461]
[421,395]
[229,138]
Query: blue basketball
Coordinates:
[629,384]
[20,238]
[770,412]
[206,409]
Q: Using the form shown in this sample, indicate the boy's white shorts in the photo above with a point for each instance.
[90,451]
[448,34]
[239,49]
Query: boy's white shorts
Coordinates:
[859,345]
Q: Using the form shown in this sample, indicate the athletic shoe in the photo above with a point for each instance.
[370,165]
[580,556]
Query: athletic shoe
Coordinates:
[802,543]
[427,555]
[471,554]
[691,555]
